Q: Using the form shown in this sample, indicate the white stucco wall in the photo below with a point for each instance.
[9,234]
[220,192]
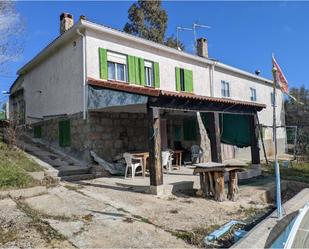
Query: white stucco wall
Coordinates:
[167,62]
[54,86]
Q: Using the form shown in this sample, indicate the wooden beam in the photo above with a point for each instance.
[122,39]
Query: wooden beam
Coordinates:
[154,140]
[254,130]
[212,118]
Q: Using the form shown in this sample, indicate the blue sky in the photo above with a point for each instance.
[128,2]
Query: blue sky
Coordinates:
[243,34]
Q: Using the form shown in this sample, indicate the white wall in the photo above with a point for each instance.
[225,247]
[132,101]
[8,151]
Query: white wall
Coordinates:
[54,86]
[167,62]
[240,90]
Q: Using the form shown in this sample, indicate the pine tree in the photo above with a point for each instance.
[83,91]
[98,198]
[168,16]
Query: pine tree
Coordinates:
[148,20]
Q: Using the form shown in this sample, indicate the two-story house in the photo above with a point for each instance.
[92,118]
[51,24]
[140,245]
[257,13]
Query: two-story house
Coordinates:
[94,88]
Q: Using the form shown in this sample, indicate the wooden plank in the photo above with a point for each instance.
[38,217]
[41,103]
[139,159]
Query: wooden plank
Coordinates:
[154,140]
[255,150]
[212,119]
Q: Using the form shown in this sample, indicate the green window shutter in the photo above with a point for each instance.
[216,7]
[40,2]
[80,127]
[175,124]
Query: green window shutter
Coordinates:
[156,75]
[142,71]
[189,129]
[131,68]
[137,71]
[64,133]
[103,63]
[177,77]
[188,80]
[37,131]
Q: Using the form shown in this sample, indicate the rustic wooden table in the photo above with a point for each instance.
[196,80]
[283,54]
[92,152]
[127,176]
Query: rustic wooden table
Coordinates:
[144,156]
[212,179]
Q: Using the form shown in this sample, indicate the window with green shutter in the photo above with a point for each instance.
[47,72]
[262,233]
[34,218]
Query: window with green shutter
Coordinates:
[37,131]
[184,80]
[64,133]
[189,129]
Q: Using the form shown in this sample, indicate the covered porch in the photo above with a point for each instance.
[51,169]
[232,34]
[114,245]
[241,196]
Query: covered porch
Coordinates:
[165,111]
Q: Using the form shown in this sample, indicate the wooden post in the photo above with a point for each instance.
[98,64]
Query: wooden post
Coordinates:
[219,183]
[154,139]
[232,185]
[255,150]
[212,119]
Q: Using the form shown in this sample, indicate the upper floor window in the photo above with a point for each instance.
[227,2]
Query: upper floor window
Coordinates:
[148,73]
[225,89]
[184,80]
[252,94]
[117,66]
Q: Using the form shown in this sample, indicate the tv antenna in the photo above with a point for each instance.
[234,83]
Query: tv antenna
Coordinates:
[179,28]
[196,25]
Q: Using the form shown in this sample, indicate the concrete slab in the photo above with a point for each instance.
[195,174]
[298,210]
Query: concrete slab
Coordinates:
[25,193]
[259,235]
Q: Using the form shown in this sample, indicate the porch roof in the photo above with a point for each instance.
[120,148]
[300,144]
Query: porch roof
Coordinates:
[180,100]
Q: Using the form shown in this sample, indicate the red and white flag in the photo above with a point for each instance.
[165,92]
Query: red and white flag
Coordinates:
[280,76]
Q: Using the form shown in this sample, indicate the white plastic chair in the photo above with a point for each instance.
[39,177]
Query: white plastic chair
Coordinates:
[196,154]
[167,160]
[133,163]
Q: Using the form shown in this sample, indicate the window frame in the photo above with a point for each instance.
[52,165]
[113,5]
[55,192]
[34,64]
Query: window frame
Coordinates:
[253,96]
[148,69]
[115,63]
[225,89]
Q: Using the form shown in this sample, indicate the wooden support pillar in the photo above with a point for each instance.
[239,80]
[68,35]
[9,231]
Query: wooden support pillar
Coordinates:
[232,185]
[212,119]
[254,131]
[154,140]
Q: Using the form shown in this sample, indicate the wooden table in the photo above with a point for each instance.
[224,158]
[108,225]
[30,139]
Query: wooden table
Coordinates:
[212,179]
[178,157]
[144,156]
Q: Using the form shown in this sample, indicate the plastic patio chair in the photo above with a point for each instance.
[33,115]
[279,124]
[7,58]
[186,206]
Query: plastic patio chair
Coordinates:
[167,160]
[133,163]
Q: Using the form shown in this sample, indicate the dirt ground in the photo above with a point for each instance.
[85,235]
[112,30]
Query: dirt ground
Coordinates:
[97,213]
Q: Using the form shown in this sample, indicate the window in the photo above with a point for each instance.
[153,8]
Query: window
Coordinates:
[225,89]
[117,64]
[252,94]
[189,129]
[184,80]
[148,73]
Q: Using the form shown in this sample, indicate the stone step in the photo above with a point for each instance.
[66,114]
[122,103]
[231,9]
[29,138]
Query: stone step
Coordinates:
[71,172]
[73,178]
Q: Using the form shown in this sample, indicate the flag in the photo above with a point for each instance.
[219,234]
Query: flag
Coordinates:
[280,76]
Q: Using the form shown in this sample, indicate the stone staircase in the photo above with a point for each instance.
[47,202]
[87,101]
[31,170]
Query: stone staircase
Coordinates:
[69,169]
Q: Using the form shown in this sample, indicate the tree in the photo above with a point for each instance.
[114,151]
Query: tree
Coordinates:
[298,114]
[148,20]
[11,29]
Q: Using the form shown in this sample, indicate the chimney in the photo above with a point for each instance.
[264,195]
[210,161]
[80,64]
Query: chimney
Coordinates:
[66,22]
[202,47]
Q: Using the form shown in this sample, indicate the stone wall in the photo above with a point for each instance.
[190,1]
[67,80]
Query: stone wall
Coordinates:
[108,134]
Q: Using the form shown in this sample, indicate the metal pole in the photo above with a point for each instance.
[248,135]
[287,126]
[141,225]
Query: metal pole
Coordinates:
[276,164]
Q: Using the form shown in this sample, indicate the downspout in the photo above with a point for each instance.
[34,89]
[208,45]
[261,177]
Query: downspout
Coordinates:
[84,74]
[212,78]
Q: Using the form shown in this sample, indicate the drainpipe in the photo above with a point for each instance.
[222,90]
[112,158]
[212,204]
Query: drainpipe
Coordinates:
[84,74]
[212,78]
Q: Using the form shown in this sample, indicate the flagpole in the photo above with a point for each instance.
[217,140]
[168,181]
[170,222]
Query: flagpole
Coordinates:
[276,164]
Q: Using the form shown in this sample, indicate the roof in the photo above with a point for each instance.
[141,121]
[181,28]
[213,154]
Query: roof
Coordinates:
[148,91]
[84,24]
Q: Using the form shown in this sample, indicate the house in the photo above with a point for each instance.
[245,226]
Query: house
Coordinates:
[97,88]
